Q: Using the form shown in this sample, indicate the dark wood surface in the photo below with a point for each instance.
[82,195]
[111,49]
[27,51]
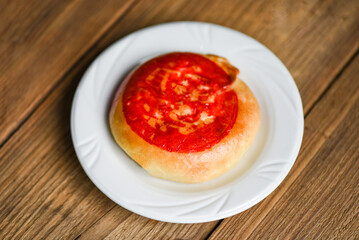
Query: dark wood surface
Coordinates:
[46,45]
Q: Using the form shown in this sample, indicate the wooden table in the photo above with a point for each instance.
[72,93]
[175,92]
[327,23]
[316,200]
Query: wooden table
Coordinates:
[45,46]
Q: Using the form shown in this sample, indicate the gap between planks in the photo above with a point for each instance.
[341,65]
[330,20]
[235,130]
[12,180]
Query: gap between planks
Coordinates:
[214,228]
[337,76]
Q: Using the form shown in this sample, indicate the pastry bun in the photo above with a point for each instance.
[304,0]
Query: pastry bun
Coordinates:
[185,117]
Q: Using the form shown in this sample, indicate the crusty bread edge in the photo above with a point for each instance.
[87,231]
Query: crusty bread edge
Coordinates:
[198,166]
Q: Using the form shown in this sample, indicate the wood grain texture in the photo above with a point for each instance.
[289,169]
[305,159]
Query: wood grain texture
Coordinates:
[137,227]
[314,39]
[333,120]
[293,30]
[287,32]
[40,42]
[322,202]
[44,193]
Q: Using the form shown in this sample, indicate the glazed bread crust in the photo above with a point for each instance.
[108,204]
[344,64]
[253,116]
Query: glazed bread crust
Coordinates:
[192,167]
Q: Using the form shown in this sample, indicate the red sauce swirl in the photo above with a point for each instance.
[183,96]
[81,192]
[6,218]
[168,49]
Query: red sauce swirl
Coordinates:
[180,102]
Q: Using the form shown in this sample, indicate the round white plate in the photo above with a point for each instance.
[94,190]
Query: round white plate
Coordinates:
[260,171]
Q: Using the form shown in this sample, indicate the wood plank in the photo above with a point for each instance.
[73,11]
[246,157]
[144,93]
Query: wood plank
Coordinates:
[323,201]
[332,115]
[44,192]
[22,24]
[148,13]
[314,39]
[40,42]
[137,227]
[293,30]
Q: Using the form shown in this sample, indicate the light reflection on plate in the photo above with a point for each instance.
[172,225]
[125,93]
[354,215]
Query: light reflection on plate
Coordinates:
[260,171]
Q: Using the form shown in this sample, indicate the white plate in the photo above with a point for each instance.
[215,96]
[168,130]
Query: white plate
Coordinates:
[260,171]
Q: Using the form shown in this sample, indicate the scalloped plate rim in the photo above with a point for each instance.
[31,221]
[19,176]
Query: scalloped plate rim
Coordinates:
[235,210]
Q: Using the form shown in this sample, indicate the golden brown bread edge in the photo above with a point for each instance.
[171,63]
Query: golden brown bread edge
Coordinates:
[193,167]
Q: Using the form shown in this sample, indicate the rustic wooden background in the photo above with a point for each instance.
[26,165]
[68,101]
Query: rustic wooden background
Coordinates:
[45,46]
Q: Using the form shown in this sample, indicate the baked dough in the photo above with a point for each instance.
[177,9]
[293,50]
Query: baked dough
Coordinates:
[185,117]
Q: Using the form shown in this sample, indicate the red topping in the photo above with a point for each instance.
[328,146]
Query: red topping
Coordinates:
[180,102]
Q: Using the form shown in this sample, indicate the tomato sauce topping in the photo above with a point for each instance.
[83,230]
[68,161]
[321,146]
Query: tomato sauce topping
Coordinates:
[180,102]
